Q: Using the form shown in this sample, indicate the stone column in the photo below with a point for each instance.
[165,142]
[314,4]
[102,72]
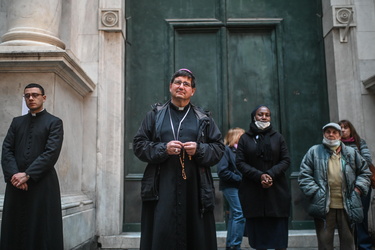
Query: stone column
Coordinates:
[33,22]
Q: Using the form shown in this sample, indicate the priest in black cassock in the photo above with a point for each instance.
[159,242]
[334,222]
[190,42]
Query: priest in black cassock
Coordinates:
[180,142]
[32,216]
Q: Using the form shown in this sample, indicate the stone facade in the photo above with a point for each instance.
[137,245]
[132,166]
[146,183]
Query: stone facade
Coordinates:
[72,48]
[76,50]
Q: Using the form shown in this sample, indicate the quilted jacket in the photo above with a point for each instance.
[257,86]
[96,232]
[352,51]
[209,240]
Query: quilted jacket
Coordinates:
[313,181]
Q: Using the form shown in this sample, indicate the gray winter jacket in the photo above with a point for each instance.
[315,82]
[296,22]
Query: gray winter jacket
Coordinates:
[313,181]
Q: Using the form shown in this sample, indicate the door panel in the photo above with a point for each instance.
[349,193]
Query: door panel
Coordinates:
[199,50]
[252,74]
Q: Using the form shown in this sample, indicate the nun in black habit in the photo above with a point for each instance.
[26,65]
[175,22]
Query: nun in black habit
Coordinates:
[263,159]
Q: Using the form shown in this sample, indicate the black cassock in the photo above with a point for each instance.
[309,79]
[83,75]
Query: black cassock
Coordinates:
[174,221]
[32,219]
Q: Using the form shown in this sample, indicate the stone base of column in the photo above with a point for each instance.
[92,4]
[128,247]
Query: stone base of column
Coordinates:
[22,37]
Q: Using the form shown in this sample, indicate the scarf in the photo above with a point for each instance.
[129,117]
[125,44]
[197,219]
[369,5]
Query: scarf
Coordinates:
[350,139]
[263,141]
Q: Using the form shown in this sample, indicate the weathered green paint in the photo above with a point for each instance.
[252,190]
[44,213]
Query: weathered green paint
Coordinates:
[243,53]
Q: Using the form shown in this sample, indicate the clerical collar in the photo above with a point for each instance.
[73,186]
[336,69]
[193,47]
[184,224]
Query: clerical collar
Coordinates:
[35,114]
[180,108]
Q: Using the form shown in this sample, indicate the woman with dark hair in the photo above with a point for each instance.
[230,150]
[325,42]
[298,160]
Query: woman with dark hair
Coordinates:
[263,159]
[350,137]
[230,179]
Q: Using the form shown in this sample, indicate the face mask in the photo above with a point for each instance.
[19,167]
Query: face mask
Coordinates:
[262,125]
[331,143]
[235,145]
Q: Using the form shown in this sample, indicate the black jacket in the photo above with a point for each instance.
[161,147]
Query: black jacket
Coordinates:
[148,147]
[257,201]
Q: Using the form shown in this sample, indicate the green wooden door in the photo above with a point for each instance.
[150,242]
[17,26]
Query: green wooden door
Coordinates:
[243,53]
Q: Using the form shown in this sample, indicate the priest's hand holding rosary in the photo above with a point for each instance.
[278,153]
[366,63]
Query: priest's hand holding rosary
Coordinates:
[175,147]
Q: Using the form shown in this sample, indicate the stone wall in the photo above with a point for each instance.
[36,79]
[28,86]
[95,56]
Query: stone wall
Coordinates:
[75,50]
[349,32]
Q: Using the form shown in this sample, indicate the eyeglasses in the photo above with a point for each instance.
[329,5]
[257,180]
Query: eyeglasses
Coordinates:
[185,84]
[34,95]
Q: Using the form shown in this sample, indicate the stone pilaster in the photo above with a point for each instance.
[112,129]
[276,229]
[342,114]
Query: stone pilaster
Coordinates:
[339,30]
[110,144]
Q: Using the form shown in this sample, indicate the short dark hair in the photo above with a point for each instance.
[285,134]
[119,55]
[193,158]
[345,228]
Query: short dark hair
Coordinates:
[34,85]
[184,72]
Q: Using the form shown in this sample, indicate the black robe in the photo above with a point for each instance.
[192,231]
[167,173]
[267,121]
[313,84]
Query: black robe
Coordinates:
[266,209]
[175,221]
[32,219]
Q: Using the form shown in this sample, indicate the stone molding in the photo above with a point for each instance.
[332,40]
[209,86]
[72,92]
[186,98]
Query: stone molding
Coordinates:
[23,37]
[74,203]
[343,16]
[41,59]
[70,204]
[110,20]
[369,84]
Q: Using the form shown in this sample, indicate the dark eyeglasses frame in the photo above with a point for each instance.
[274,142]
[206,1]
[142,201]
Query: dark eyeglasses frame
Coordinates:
[34,95]
[185,84]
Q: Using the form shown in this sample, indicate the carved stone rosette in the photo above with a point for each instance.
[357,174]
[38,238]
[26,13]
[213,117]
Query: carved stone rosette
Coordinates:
[343,16]
[110,20]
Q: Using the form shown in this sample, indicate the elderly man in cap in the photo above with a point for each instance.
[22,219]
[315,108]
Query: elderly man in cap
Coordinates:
[334,177]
